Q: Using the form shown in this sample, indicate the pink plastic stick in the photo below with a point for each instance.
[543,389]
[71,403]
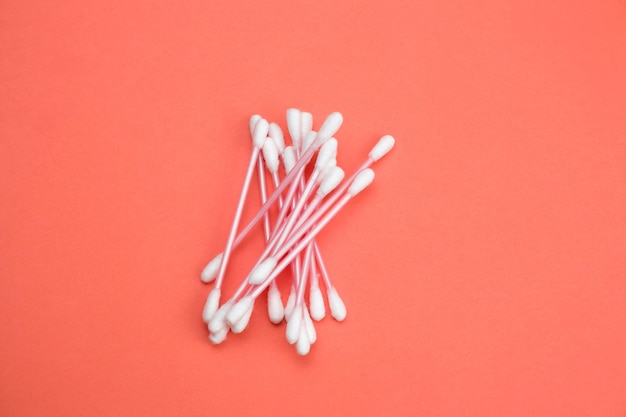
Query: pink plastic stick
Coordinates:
[322,267]
[289,179]
[300,246]
[262,186]
[334,197]
[276,194]
[305,269]
[306,224]
[233,228]
[244,287]
[263,191]
[302,199]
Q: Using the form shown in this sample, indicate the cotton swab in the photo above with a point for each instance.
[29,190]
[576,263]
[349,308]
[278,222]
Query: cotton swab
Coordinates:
[306,124]
[276,133]
[328,129]
[294,120]
[326,153]
[292,191]
[361,179]
[303,345]
[292,334]
[270,154]
[308,197]
[289,158]
[316,300]
[338,310]
[337,307]
[260,133]
[307,335]
[218,337]
[360,182]
[308,325]
[276,310]
[209,273]
[332,178]
[295,319]
[382,147]
[240,308]
[266,263]
[291,301]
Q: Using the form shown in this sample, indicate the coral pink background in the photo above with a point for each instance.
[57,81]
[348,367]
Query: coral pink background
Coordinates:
[484,270]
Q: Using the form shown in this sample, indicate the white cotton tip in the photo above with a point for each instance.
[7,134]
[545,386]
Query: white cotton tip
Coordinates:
[210,271]
[289,158]
[330,165]
[219,337]
[361,181]
[241,325]
[253,120]
[309,326]
[218,321]
[330,126]
[260,133]
[331,181]
[308,140]
[291,302]
[383,146]
[270,154]
[293,326]
[306,123]
[337,307]
[239,309]
[275,308]
[327,152]
[316,304]
[293,126]
[303,345]
[276,133]
[261,272]
[327,170]
[211,305]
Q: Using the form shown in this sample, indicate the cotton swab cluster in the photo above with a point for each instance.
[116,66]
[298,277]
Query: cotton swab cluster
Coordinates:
[305,205]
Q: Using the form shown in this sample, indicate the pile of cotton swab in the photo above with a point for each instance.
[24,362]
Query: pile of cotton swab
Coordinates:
[304,206]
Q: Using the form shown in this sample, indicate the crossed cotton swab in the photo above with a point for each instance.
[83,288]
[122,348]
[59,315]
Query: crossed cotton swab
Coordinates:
[261,129]
[275,308]
[383,146]
[305,207]
[237,311]
[264,268]
[316,223]
[270,153]
[281,232]
[239,308]
[327,153]
[270,256]
[328,129]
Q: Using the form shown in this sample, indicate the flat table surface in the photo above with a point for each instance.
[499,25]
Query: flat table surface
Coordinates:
[484,270]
